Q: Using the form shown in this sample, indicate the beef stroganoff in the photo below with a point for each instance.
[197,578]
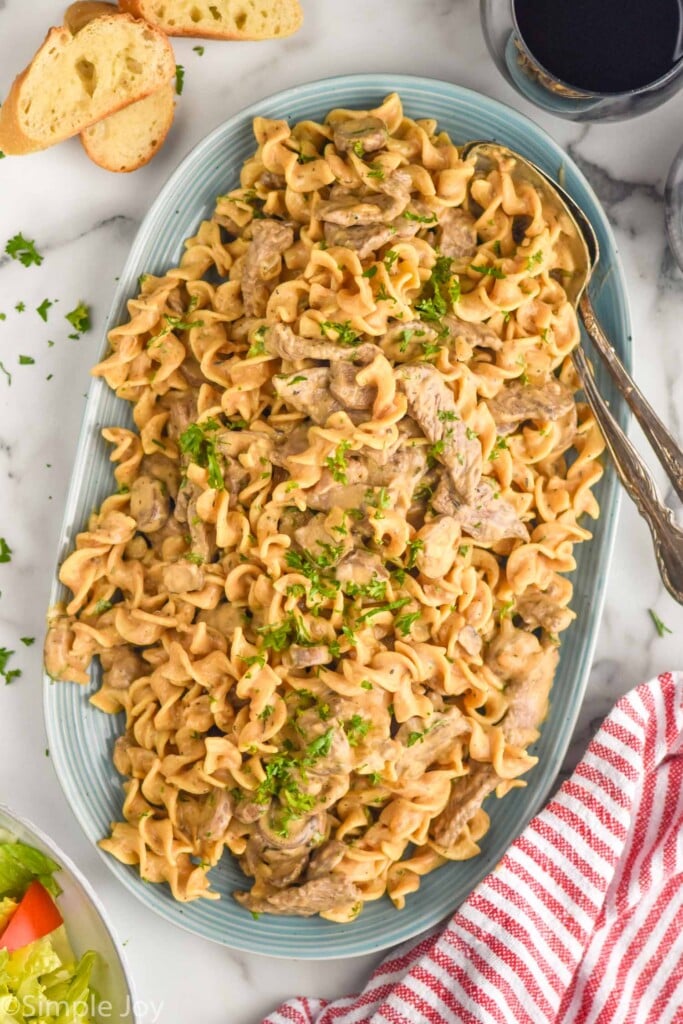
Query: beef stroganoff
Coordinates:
[329,589]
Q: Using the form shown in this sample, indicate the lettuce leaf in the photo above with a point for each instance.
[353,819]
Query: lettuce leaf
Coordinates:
[36,985]
[20,865]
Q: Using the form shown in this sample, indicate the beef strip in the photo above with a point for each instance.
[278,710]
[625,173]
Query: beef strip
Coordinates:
[437,736]
[205,818]
[280,340]
[308,391]
[517,402]
[527,669]
[313,897]
[269,239]
[183,577]
[149,503]
[368,132]
[432,405]
[485,518]
[292,443]
[362,209]
[540,608]
[325,859]
[477,335]
[366,239]
[182,407]
[457,235]
[467,795]
[346,389]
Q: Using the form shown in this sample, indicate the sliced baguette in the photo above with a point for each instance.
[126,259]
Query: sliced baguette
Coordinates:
[129,139]
[220,19]
[75,80]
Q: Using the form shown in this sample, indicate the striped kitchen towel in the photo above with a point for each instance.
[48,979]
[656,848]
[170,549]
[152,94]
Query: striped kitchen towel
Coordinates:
[582,920]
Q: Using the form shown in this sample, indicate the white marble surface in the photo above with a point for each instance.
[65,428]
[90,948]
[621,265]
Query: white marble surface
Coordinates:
[84,220]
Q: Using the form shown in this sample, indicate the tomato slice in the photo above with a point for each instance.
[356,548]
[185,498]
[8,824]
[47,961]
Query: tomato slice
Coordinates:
[36,916]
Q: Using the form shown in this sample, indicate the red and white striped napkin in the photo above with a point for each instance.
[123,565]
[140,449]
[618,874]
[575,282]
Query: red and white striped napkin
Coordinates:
[581,922]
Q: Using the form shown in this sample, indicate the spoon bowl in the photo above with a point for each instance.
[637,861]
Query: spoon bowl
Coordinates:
[582,242]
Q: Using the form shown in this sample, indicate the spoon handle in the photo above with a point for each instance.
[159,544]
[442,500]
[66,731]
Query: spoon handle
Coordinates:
[634,475]
[663,444]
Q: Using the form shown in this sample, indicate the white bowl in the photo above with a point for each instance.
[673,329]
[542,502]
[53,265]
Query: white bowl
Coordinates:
[86,924]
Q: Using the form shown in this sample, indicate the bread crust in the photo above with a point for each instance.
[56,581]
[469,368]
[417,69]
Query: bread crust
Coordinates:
[138,8]
[13,139]
[106,161]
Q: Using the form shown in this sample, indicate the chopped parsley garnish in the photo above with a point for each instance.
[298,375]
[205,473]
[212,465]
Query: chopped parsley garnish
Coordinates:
[27,641]
[280,635]
[370,272]
[534,260]
[365,684]
[337,463]
[505,610]
[198,50]
[471,435]
[431,219]
[391,606]
[257,348]
[499,446]
[376,171]
[435,450]
[356,729]
[344,331]
[496,247]
[280,781]
[255,659]
[5,551]
[24,250]
[412,547]
[378,497]
[418,737]
[658,624]
[312,566]
[488,271]
[389,259]
[197,442]
[359,149]
[6,373]
[447,415]
[405,622]
[179,78]
[101,607]
[20,307]
[267,712]
[79,318]
[26,360]
[9,675]
[43,308]
[375,589]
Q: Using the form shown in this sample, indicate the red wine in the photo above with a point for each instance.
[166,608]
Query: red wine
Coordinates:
[603,46]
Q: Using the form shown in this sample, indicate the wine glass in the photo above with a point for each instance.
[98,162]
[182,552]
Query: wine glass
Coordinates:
[524,72]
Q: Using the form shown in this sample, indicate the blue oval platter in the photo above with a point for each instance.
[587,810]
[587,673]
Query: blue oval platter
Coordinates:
[81,738]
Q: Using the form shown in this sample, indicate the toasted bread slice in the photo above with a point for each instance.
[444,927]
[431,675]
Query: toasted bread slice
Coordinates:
[220,19]
[129,139]
[75,80]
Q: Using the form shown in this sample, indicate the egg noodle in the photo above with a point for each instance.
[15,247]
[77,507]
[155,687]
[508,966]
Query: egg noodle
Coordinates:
[328,591]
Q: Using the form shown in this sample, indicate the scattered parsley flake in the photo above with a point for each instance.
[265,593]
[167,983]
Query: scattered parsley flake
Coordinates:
[499,446]
[405,622]
[5,551]
[359,149]
[431,219]
[390,258]
[197,442]
[20,307]
[42,309]
[9,675]
[198,50]
[534,260]
[24,250]
[344,331]
[488,271]
[337,463]
[376,171]
[658,624]
[6,373]
[26,360]
[79,318]
[179,79]
[371,271]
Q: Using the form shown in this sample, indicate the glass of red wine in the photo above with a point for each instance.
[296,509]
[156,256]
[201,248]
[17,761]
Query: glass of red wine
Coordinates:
[588,60]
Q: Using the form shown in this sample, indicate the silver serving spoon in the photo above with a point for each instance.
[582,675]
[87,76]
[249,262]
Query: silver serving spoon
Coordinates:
[634,475]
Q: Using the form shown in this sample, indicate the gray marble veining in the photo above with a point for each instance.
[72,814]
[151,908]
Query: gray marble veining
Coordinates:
[84,220]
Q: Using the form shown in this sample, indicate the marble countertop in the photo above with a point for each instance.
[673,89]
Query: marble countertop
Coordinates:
[84,220]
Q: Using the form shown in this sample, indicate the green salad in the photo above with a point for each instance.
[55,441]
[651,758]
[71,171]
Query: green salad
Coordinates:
[41,980]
